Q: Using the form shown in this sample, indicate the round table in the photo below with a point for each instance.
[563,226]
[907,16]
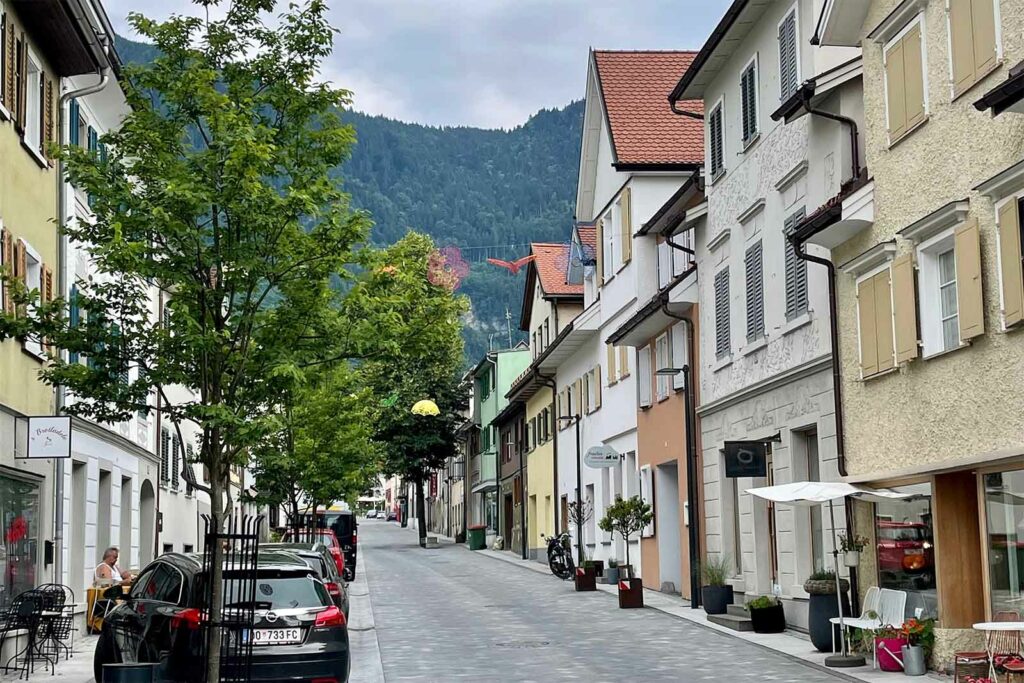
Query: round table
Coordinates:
[990,628]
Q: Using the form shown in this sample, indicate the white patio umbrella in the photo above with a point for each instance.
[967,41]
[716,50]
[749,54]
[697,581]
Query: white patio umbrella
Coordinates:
[808,493]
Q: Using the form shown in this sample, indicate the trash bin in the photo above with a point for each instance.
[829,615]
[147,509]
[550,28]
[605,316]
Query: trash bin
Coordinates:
[129,673]
[477,537]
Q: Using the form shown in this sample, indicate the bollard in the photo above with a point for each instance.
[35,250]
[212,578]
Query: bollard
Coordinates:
[128,673]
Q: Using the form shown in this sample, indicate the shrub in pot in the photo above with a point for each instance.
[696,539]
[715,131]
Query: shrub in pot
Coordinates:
[851,546]
[767,614]
[716,595]
[611,572]
[821,587]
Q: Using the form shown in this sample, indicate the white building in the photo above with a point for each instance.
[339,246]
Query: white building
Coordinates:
[765,342]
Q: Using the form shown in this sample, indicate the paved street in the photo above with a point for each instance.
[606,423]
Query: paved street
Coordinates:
[448,614]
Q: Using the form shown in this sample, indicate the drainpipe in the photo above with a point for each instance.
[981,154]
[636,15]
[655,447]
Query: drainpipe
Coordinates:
[550,383]
[692,493]
[682,112]
[62,257]
[845,120]
[522,493]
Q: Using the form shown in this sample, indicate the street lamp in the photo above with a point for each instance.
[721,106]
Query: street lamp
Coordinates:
[575,419]
[693,536]
[426,408]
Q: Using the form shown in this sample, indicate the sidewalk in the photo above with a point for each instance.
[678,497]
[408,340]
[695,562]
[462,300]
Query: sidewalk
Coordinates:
[77,669]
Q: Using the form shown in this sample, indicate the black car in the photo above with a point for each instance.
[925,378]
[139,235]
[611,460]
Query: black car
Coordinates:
[344,527]
[299,633]
[318,557]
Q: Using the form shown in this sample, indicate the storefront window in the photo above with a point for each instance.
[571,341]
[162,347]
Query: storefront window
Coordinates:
[19,513]
[491,510]
[1004,509]
[905,548]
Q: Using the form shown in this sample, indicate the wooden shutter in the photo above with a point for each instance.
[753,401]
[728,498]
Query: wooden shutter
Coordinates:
[895,91]
[626,226]
[623,362]
[1010,263]
[913,73]
[612,374]
[904,308]
[10,59]
[21,83]
[970,307]
[883,321]
[586,393]
[868,334]
[597,387]
[46,112]
[962,43]
[722,331]
[983,20]
[7,264]
[578,391]
[21,261]
[600,251]
[755,292]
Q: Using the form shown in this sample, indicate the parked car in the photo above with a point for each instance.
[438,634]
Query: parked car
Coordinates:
[328,538]
[906,554]
[392,516]
[345,530]
[298,633]
[318,557]
[371,514]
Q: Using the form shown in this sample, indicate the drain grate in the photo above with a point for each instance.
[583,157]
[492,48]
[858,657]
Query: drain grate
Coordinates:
[524,644]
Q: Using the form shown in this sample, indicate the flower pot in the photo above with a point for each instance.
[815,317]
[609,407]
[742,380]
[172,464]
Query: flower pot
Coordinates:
[768,619]
[631,593]
[913,660]
[821,609]
[716,599]
[851,558]
[586,579]
[889,652]
[611,575]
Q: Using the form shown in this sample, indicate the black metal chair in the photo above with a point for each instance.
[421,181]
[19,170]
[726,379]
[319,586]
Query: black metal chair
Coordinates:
[56,624]
[24,615]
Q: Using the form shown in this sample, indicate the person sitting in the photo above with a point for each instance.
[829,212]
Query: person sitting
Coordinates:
[107,573]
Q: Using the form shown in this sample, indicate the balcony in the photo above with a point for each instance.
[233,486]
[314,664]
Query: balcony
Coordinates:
[484,471]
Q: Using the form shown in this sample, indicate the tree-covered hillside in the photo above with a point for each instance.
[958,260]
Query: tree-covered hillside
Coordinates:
[488,192]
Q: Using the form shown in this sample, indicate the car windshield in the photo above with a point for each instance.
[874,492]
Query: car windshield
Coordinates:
[276,592]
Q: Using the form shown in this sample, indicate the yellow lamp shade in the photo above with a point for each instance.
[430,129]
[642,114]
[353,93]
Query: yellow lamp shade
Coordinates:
[426,407]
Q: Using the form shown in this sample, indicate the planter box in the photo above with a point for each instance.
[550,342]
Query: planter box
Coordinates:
[821,609]
[631,593]
[716,599]
[586,579]
[768,619]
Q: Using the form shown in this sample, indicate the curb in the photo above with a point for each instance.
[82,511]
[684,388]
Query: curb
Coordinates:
[364,648]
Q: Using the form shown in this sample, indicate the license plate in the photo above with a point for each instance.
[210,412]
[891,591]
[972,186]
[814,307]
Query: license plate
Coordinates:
[273,636]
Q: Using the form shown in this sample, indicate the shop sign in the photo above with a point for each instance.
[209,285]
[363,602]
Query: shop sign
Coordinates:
[601,456]
[746,459]
[49,437]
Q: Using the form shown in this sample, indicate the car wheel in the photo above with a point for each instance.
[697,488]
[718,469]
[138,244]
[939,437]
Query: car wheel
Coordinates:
[105,654]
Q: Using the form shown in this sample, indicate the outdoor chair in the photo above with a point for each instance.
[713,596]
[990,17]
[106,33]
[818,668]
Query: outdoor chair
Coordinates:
[56,624]
[870,614]
[24,617]
[892,607]
[1006,645]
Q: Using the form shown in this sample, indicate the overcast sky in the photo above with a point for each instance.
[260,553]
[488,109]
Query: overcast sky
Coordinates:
[488,63]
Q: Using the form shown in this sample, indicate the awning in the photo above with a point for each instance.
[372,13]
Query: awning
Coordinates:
[1007,96]
[808,493]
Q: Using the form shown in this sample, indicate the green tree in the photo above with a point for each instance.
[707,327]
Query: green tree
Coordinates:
[626,517]
[216,189]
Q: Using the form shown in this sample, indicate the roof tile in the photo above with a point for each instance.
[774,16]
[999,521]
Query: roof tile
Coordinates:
[551,261]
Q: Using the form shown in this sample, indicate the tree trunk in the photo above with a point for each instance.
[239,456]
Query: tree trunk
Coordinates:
[421,514]
[625,540]
[217,578]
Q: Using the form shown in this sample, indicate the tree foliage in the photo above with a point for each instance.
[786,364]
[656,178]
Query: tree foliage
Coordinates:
[626,517]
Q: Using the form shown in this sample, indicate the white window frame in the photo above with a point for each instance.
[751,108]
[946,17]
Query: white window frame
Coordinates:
[794,9]
[949,45]
[591,383]
[663,359]
[917,20]
[645,392]
[33,280]
[929,305]
[647,495]
[33,101]
[609,231]
[1015,197]
[753,61]
[861,278]
[719,105]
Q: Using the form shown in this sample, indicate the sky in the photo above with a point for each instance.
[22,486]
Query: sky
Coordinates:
[484,63]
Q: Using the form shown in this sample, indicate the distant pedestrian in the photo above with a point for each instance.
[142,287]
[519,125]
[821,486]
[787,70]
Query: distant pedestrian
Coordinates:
[107,572]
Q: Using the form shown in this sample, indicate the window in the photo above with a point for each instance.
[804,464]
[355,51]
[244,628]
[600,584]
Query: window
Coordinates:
[722,332]
[665,265]
[972,39]
[1011,260]
[715,142]
[680,353]
[32,274]
[1004,517]
[905,101]
[905,546]
[165,456]
[187,548]
[625,220]
[19,511]
[609,234]
[644,374]
[748,97]
[796,271]
[33,102]
[817,526]
[647,495]
[661,350]
[755,292]
[547,333]
[874,312]
[789,56]
[175,462]
[5,30]
[592,382]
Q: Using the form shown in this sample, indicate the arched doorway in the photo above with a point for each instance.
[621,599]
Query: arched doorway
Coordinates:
[147,522]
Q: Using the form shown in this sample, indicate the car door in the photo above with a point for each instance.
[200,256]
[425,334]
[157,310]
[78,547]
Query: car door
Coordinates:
[153,604]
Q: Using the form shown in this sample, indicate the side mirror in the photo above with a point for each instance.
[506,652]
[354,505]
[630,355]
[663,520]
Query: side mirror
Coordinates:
[115,593]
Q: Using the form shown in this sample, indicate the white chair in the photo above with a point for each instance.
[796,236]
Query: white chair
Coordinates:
[892,609]
[870,614]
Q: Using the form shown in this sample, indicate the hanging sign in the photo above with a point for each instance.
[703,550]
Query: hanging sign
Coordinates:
[601,456]
[49,437]
[746,459]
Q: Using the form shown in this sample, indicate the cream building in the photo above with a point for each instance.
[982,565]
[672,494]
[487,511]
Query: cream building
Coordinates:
[929,300]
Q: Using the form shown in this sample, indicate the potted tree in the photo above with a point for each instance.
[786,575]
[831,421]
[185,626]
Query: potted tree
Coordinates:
[920,635]
[821,587]
[716,595]
[851,547]
[767,614]
[579,516]
[627,517]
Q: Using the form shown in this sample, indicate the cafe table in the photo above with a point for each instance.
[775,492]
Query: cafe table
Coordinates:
[991,629]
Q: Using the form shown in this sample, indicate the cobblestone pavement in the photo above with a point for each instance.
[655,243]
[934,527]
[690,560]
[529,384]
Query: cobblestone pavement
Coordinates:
[447,614]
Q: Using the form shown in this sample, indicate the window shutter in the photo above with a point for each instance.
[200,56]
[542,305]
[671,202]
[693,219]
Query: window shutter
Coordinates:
[678,336]
[600,251]
[866,317]
[74,318]
[895,91]
[970,307]
[904,308]
[913,71]
[22,83]
[73,122]
[578,392]
[796,271]
[165,465]
[983,19]
[788,67]
[626,226]
[722,332]
[1010,263]
[755,292]
[643,369]
[597,387]
[623,362]
[962,43]
[175,463]
[45,113]
[10,58]
[610,360]
[715,135]
[586,393]
[7,263]
[883,321]
[21,264]
[748,93]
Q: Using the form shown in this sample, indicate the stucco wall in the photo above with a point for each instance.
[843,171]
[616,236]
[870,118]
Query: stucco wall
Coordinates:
[540,478]
[962,403]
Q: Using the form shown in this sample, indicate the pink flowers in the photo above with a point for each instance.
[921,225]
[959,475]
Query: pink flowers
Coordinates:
[446,268]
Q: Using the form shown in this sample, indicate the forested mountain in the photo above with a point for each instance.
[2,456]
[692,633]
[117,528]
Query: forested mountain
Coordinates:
[488,192]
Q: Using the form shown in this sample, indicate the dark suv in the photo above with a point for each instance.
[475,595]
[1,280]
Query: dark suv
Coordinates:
[299,633]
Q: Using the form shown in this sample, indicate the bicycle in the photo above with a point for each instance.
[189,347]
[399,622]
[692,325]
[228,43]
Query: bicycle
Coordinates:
[560,555]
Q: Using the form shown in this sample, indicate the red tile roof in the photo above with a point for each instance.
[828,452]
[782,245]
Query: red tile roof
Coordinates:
[551,264]
[635,88]
[588,237]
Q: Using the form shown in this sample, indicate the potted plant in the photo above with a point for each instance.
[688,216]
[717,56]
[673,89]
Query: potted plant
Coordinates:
[889,642]
[767,614]
[627,517]
[611,572]
[851,546]
[586,576]
[920,635]
[716,595]
[821,587]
